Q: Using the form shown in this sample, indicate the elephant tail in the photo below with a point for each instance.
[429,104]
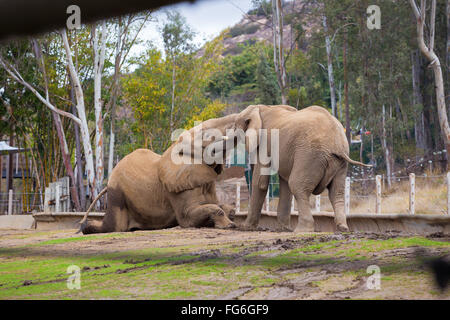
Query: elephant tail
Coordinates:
[347,158]
[92,205]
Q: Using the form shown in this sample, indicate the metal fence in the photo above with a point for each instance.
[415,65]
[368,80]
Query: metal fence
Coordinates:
[20,203]
[404,194]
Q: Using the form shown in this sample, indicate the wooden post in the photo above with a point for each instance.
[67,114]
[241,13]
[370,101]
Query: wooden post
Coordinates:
[378,204]
[412,193]
[10,202]
[57,197]
[318,203]
[293,204]
[1,172]
[347,196]
[238,197]
[17,162]
[448,193]
[268,200]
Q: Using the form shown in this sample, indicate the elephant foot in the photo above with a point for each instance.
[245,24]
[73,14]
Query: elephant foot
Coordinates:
[342,227]
[305,226]
[231,225]
[303,229]
[224,223]
[248,227]
[283,228]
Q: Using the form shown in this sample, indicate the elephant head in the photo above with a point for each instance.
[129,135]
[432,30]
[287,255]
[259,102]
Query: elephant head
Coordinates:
[197,157]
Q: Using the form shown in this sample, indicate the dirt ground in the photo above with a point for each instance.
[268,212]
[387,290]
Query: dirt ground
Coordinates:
[218,264]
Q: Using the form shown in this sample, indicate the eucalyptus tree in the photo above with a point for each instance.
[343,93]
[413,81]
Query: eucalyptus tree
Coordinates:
[177,37]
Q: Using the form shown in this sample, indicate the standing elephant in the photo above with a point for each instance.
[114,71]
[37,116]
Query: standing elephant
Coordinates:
[149,191]
[313,155]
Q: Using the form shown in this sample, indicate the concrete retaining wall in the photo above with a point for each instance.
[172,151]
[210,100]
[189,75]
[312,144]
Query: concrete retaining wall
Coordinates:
[62,220]
[324,221]
[19,222]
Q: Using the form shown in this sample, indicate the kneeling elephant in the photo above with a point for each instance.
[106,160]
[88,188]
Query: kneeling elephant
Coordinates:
[148,191]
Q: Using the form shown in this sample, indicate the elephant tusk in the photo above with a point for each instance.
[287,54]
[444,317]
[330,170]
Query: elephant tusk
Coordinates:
[225,138]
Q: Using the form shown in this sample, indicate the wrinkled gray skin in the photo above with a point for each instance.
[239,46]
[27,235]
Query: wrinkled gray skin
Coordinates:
[313,155]
[149,191]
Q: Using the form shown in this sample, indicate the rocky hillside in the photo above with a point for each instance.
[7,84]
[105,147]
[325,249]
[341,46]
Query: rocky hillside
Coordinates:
[258,27]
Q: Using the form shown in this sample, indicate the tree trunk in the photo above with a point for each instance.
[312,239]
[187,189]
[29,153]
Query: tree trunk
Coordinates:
[66,159]
[173,95]
[448,52]
[330,68]
[82,117]
[99,59]
[387,154]
[435,64]
[78,160]
[278,50]
[347,109]
[117,61]
[419,127]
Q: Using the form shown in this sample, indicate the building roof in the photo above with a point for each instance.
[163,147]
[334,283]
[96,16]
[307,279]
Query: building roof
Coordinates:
[7,149]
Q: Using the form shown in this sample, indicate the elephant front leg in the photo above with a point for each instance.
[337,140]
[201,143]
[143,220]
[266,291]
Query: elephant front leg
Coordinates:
[284,206]
[204,216]
[260,185]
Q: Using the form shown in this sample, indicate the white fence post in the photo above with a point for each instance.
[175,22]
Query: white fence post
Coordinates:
[10,202]
[378,204]
[293,204]
[318,203]
[448,193]
[412,193]
[347,196]
[47,196]
[268,200]
[57,198]
[238,197]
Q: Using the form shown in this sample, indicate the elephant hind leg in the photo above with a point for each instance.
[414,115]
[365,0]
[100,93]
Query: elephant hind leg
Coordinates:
[305,218]
[116,221]
[336,194]
[303,180]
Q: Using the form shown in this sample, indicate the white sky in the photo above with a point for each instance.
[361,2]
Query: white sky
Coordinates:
[205,17]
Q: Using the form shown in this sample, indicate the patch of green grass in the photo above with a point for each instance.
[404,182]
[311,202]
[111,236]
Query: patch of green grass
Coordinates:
[172,295]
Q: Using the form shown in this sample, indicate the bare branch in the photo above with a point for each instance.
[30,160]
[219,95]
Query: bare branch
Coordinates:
[16,76]
[415,9]
[432,23]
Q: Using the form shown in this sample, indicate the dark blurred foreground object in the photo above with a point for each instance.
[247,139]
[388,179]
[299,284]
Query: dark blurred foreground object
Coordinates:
[31,17]
[441,272]
[439,266]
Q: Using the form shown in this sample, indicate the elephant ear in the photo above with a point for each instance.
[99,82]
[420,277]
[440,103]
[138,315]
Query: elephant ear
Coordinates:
[249,120]
[181,177]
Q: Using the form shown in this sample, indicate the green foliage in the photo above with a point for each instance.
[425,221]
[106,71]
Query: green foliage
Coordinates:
[261,8]
[249,28]
[266,81]
[176,34]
